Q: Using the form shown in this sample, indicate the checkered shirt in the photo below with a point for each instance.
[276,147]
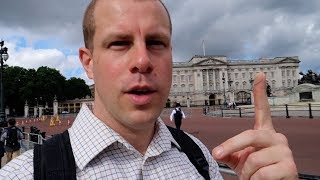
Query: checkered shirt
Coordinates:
[101,153]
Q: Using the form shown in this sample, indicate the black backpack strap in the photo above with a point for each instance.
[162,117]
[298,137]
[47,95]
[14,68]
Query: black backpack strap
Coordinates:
[192,150]
[54,159]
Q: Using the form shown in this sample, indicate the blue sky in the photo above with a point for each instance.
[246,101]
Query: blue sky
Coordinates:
[47,33]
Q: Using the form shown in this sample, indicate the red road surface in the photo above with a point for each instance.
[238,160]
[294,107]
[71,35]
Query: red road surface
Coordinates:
[303,133]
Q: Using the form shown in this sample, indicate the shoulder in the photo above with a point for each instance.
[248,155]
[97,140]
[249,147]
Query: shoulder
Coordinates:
[20,167]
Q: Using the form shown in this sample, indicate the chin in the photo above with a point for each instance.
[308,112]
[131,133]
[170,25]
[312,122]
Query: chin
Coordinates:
[143,118]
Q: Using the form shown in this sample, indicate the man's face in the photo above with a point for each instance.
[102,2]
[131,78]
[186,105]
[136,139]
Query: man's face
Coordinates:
[131,62]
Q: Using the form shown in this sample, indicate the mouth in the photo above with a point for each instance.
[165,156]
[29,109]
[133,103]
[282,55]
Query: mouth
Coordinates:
[141,95]
[141,90]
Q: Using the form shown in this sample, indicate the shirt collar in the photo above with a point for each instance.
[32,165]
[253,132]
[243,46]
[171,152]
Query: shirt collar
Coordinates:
[162,140]
[89,136]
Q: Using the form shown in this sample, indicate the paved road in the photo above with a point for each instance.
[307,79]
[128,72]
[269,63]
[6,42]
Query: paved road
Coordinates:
[303,133]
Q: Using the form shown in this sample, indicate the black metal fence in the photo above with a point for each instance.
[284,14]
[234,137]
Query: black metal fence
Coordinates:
[287,110]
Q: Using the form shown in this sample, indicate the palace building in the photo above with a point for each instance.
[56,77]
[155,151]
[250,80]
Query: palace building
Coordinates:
[215,80]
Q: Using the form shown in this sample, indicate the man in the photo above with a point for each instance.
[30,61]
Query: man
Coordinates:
[11,138]
[128,54]
[177,115]
[2,150]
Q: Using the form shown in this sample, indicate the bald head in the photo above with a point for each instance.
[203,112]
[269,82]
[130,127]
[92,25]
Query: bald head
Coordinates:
[88,24]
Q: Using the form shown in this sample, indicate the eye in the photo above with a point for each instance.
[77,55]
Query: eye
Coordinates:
[119,45]
[155,44]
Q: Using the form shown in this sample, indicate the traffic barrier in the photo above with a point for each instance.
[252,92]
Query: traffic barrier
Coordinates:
[52,123]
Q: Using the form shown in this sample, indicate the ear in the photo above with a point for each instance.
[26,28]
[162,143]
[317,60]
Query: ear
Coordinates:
[86,59]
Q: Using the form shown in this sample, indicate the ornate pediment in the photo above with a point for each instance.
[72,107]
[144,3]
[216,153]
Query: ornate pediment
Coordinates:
[289,60]
[210,62]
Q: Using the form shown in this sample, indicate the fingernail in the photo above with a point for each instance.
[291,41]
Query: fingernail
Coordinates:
[218,151]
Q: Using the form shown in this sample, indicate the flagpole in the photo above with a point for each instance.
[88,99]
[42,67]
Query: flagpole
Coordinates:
[203,48]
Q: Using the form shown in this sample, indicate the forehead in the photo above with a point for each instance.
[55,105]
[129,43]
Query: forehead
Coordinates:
[121,14]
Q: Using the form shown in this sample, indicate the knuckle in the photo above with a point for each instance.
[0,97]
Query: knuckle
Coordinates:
[254,160]
[291,167]
[282,139]
[262,174]
[250,133]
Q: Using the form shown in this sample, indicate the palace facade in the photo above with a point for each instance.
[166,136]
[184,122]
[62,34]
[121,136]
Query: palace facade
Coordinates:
[215,80]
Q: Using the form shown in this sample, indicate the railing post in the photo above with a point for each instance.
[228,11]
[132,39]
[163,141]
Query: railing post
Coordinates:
[28,146]
[310,111]
[240,112]
[221,111]
[287,111]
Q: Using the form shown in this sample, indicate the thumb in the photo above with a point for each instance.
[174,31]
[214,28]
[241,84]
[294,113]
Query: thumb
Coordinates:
[261,105]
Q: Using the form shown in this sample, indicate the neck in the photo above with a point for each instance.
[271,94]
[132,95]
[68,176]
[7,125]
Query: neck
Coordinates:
[139,139]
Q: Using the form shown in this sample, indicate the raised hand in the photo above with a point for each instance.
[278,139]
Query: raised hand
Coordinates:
[259,153]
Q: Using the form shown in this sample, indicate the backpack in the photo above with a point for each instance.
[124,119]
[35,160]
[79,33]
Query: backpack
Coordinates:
[12,138]
[54,158]
[178,114]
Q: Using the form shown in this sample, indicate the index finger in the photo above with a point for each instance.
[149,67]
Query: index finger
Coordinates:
[261,105]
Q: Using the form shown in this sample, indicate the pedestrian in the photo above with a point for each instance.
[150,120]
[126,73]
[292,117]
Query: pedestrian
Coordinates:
[2,151]
[177,115]
[11,138]
[128,54]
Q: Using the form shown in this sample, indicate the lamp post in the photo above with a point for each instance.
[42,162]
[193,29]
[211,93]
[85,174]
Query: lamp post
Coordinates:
[251,90]
[224,90]
[3,57]
[231,90]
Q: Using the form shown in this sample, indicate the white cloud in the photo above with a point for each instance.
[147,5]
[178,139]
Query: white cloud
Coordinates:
[236,29]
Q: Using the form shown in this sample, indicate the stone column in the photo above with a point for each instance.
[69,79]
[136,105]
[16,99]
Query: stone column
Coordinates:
[251,95]
[35,111]
[40,111]
[26,109]
[55,106]
[7,111]
[68,107]
[208,85]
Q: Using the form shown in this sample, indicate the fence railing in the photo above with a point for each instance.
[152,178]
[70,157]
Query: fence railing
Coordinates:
[224,169]
[286,110]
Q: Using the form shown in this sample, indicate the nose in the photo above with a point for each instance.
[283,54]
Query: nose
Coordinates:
[141,61]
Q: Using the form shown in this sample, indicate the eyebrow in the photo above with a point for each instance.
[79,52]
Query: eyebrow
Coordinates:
[127,36]
[115,36]
[157,36]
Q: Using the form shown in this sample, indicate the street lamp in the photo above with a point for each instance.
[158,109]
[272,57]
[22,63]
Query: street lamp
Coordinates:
[3,57]
[224,90]
[231,90]
[251,89]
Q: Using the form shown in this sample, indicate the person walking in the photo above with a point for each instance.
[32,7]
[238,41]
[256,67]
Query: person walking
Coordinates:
[11,138]
[177,115]
[1,147]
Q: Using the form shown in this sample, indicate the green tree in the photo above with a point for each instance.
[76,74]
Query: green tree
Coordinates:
[49,83]
[40,85]
[15,78]
[76,88]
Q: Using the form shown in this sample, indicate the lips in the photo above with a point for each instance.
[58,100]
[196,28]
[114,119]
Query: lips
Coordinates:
[141,95]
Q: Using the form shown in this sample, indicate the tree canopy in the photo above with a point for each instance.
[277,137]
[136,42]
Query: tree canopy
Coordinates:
[39,86]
